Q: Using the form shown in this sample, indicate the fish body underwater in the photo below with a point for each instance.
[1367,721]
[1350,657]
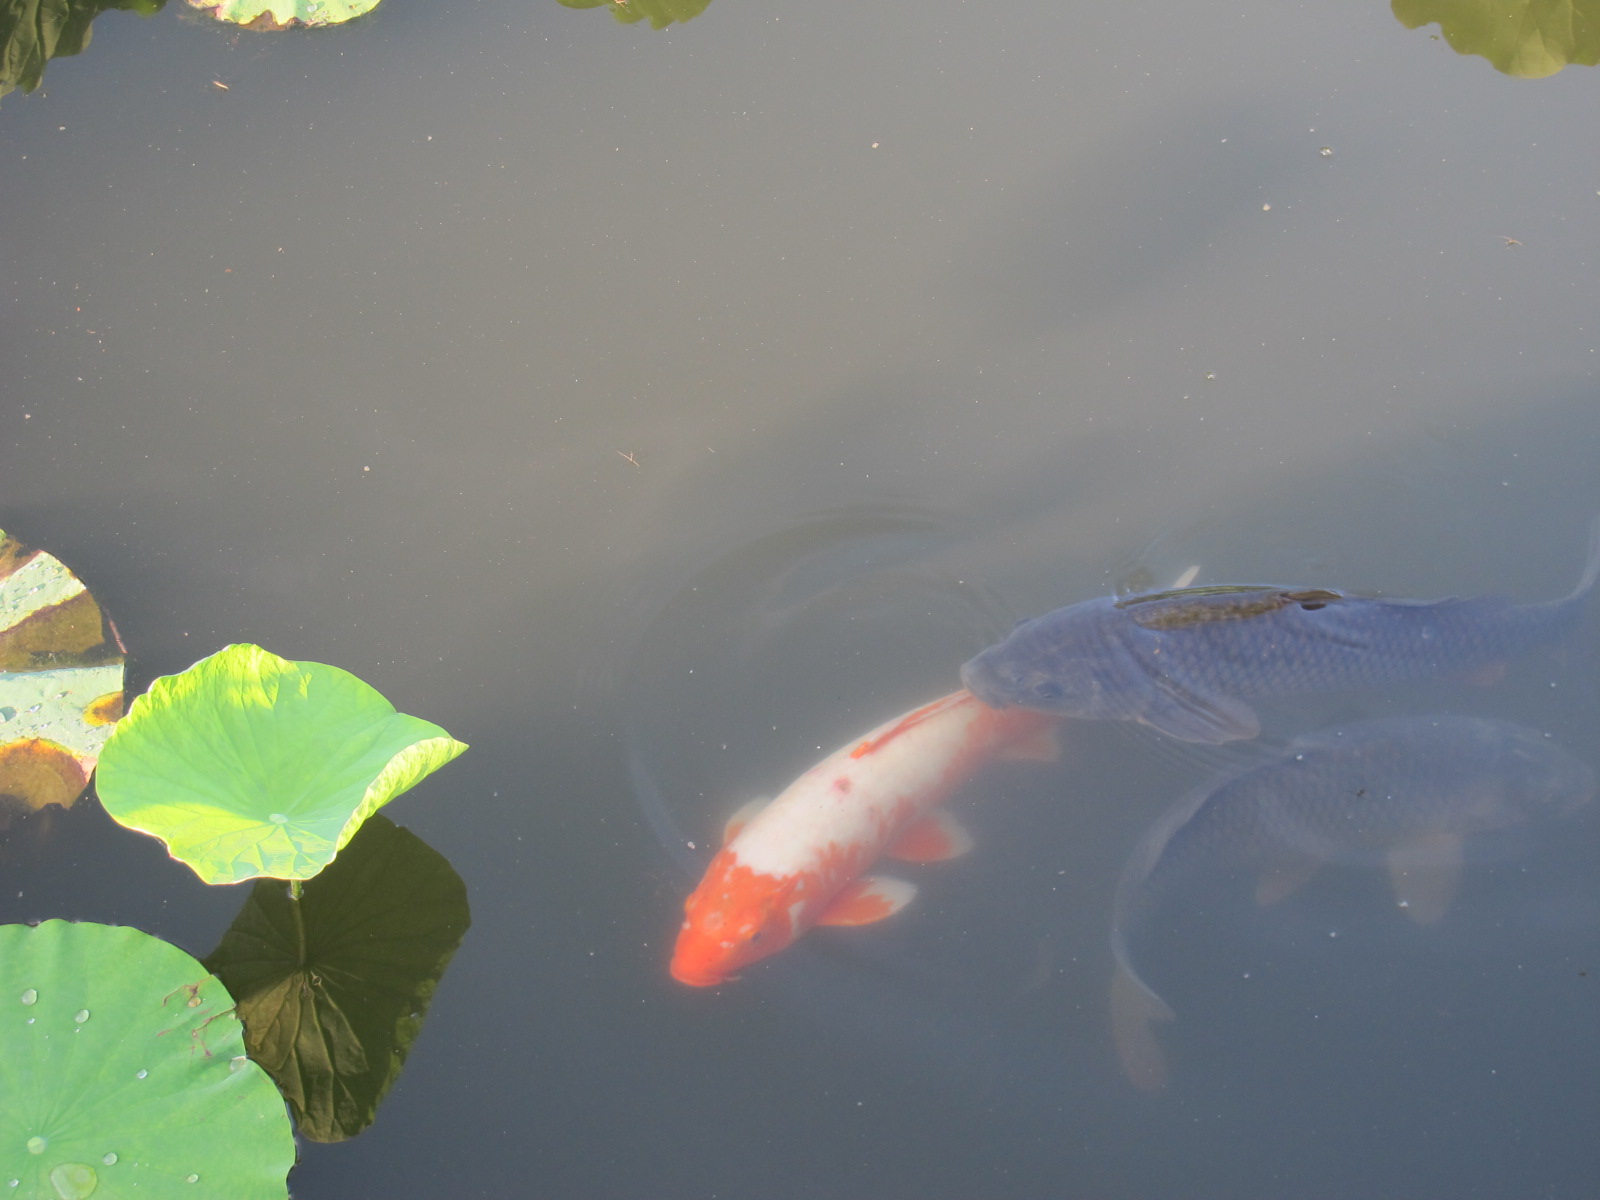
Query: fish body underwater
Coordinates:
[1405,792]
[1186,661]
[799,861]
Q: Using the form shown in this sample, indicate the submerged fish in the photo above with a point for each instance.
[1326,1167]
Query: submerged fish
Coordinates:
[1403,791]
[799,861]
[1184,661]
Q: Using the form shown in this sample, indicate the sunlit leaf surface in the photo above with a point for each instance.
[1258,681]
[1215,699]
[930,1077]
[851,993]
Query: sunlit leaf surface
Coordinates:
[248,764]
[1530,38]
[284,14]
[61,670]
[333,987]
[123,1073]
[660,13]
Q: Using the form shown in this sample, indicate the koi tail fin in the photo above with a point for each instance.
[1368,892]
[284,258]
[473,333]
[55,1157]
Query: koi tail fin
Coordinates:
[1591,570]
[1134,1009]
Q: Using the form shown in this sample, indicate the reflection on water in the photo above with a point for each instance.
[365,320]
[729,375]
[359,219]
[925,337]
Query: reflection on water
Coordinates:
[713,394]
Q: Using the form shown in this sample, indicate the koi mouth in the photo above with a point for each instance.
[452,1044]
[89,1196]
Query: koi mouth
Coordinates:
[973,679]
[685,969]
[694,978]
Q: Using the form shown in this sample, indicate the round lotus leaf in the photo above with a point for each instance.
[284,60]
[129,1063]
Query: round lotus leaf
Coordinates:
[123,1074]
[660,13]
[1527,38]
[284,14]
[60,680]
[250,765]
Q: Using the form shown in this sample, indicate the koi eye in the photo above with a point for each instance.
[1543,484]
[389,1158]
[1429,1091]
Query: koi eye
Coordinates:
[1048,691]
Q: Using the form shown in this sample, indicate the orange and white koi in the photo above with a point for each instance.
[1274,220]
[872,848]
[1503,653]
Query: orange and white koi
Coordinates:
[799,861]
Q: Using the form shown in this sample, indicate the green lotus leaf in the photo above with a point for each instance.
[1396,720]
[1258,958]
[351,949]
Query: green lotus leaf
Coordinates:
[248,764]
[32,32]
[61,669]
[333,986]
[123,1074]
[1528,38]
[284,14]
[660,13]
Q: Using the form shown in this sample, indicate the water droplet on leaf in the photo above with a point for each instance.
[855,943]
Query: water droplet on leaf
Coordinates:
[74,1181]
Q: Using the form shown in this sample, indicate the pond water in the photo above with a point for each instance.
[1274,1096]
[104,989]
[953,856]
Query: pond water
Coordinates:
[659,410]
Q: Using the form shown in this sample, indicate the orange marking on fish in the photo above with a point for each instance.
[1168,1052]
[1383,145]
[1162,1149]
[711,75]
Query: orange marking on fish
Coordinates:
[799,861]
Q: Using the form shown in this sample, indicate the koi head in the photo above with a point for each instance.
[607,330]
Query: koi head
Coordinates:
[1001,678]
[1061,663]
[734,918]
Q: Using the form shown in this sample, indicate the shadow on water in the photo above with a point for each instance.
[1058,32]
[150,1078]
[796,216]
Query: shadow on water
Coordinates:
[1078,249]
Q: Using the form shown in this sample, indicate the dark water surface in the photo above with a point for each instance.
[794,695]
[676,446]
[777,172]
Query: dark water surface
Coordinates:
[658,410]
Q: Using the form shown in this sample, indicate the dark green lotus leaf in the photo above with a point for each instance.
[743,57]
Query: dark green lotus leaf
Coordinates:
[60,680]
[660,13]
[248,764]
[123,1073]
[32,32]
[1529,38]
[333,986]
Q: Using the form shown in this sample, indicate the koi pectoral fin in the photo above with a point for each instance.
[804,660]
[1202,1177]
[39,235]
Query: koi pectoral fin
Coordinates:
[1134,1009]
[1191,718]
[1485,675]
[937,837]
[1284,878]
[1043,746]
[1425,871]
[868,899]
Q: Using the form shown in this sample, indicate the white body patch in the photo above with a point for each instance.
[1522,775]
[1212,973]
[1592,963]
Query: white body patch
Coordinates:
[862,802]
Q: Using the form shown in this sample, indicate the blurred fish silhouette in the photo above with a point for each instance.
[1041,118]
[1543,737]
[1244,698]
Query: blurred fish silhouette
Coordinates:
[1183,661]
[1405,791]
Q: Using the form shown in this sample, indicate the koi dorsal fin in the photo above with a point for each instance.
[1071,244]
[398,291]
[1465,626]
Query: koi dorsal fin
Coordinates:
[868,899]
[937,837]
[1185,608]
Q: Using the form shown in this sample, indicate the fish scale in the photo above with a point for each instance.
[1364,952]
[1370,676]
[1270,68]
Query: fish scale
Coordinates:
[1404,792]
[1184,661]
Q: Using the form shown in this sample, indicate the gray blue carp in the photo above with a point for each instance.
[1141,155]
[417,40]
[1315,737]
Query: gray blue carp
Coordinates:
[1405,792]
[1186,661]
